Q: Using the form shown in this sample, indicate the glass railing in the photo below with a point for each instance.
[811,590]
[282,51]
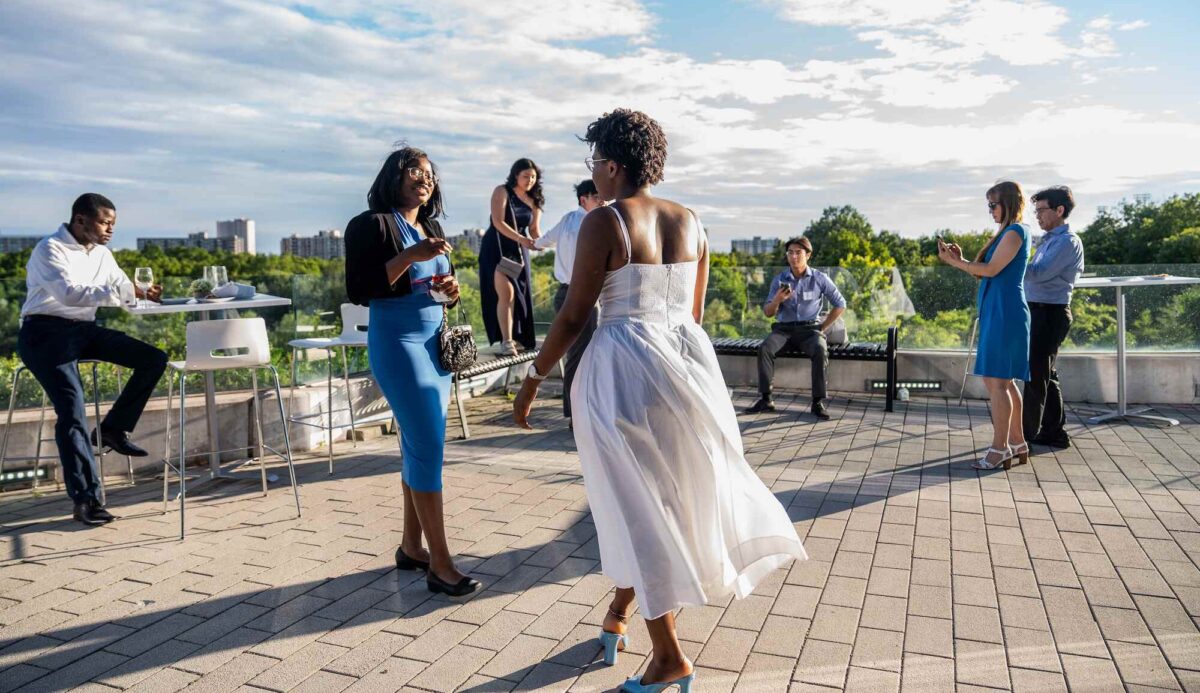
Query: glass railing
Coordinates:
[934,307]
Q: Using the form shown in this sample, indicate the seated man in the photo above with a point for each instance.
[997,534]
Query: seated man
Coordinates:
[69,275]
[794,300]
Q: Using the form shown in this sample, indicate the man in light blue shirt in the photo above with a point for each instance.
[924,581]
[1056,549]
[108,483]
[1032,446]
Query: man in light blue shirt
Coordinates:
[1049,280]
[795,300]
[563,238]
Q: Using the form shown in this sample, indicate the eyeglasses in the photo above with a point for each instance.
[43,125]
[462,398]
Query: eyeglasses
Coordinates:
[1037,211]
[590,162]
[993,205]
[417,173]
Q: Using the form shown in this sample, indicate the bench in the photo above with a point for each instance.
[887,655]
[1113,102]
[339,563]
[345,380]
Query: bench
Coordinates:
[854,351]
[481,367]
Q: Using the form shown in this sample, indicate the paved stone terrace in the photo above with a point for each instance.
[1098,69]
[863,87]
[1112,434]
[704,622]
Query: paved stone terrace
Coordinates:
[1078,572]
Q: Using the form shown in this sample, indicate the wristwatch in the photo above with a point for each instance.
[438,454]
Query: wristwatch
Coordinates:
[533,372]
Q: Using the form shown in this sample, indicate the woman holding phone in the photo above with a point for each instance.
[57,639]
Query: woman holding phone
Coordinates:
[1003,351]
[398,263]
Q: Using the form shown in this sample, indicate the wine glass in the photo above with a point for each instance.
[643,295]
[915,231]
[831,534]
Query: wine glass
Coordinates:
[143,278]
[220,276]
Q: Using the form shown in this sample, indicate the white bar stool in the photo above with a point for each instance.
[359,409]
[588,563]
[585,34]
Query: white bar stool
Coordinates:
[355,320]
[216,345]
[97,448]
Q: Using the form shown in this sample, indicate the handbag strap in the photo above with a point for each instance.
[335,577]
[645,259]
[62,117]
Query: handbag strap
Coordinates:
[513,212]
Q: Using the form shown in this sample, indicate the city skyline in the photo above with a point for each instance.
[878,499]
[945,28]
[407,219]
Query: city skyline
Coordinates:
[908,112]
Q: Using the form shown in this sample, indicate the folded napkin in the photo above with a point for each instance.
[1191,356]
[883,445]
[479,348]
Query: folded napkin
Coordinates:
[235,290]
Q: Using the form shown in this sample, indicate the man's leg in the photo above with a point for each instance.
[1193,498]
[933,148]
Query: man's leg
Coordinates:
[148,363]
[1040,355]
[1054,419]
[575,355]
[49,351]
[771,346]
[812,341]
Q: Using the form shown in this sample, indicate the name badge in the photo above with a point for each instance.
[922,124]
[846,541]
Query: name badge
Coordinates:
[810,295]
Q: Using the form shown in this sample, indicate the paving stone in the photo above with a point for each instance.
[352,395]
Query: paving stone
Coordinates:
[727,649]
[518,658]
[931,636]
[783,636]
[878,649]
[823,663]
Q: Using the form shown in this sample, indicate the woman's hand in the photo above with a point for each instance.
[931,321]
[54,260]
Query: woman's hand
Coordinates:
[524,402]
[527,243]
[427,249]
[949,253]
[448,285]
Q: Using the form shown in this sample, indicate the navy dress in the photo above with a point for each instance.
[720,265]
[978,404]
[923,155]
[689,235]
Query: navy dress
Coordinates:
[489,257]
[1003,350]
[402,347]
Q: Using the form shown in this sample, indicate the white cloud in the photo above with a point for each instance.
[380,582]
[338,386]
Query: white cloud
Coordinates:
[1134,25]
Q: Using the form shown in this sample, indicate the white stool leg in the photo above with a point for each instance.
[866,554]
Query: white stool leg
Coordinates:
[329,404]
[182,450]
[349,398]
[292,391]
[962,391]
[37,449]
[287,441]
[258,428]
[128,459]
[12,403]
[167,438]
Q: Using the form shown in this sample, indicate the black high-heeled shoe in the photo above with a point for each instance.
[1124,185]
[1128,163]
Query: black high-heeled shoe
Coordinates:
[406,562]
[463,587]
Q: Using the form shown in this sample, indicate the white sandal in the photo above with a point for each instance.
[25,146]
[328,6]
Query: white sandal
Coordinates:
[1021,452]
[1005,460]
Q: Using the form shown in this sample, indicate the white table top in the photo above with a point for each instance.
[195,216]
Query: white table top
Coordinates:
[1147,280]
[259,301]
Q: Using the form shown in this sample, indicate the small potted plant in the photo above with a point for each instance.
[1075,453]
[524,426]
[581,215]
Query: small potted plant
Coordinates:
[201,288]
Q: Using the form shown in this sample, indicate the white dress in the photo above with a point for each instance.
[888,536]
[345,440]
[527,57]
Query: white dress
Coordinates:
[680,515]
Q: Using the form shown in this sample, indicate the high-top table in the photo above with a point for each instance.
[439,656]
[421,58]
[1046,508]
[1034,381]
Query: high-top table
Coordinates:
[204,308]
[1120,284]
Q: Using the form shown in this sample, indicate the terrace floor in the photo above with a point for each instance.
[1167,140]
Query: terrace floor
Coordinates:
[1077,572]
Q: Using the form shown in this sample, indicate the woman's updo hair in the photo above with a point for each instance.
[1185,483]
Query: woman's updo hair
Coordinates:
[633,140]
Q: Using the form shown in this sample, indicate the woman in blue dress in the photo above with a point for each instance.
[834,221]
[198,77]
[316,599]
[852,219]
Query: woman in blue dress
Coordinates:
[1003,351]
[398,263]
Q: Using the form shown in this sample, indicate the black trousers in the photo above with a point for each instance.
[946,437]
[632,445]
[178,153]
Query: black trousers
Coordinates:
[575,353]
[49,347]
[1044,414]
[808,338]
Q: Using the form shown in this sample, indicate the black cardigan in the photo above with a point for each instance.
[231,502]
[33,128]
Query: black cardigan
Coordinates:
[369,247]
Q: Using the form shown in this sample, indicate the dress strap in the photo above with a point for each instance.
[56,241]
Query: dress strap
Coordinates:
[625,233]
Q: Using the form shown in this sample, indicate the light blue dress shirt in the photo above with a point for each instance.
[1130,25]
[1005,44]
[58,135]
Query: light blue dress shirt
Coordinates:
[1056,266]
[804,305]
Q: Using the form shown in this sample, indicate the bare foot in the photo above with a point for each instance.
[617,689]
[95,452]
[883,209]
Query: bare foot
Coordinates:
[615,624]
[663,670]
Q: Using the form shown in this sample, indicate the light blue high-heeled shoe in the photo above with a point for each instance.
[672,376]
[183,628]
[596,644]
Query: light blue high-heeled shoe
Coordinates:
[610,642]
[635,685]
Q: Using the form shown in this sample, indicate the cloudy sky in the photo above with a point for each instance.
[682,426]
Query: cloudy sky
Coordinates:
[187,112]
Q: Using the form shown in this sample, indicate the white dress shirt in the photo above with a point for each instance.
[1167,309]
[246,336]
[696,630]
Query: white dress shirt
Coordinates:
[69,280]
[563,238]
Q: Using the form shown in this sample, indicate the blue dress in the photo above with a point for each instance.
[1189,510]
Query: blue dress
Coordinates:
[402,345]
[1003,350]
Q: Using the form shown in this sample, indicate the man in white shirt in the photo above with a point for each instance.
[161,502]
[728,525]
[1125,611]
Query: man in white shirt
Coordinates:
[563,238]
[69,275]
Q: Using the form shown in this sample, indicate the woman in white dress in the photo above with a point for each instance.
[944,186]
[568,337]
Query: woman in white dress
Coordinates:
[681,518]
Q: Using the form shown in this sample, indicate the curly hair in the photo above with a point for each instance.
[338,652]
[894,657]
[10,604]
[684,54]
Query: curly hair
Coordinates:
[537,194]
[633,140]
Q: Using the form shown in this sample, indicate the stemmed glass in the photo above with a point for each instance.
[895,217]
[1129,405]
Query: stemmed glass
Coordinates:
[143,278]
[220,276]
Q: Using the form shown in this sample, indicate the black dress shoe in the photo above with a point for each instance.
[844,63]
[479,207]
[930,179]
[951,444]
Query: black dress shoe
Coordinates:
[763,404]
[1059,442]
[819,411]
[118,442]
[100,513]
[463,587]
[405,562]
[85,512]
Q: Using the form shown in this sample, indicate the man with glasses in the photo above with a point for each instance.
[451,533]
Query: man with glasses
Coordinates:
[563,238]
[1049,280]
[795,301]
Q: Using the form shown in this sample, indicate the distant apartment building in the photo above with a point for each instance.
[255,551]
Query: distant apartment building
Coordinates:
[755,246]
[197,239]
[327,244]
[238,228]
[13,244]
[469,238]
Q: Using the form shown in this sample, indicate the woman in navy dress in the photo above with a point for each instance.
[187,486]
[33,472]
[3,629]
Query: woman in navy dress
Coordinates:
[398,263]
[1003,351]
[508,303]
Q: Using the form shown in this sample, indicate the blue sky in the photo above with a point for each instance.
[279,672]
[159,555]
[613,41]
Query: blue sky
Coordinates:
[184,113]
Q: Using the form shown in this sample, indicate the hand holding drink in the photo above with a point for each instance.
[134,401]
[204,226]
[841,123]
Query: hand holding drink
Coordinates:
[444,288]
